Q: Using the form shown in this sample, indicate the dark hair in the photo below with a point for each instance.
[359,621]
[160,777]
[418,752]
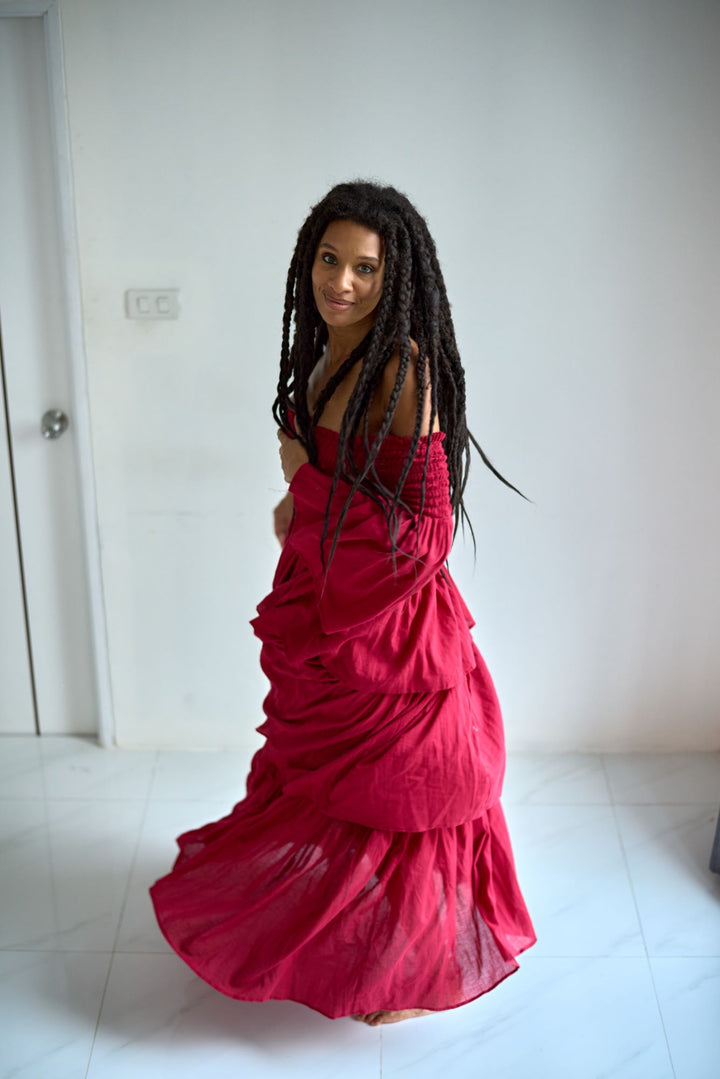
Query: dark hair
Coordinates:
[413,306]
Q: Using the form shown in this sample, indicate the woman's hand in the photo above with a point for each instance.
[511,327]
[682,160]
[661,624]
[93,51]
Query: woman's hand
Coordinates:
[292,455]
[282,516]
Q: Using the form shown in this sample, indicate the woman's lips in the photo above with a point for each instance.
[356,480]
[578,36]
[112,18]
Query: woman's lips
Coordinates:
[336,305]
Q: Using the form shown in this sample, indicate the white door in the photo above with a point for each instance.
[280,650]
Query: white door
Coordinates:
[44,604]
[17,712]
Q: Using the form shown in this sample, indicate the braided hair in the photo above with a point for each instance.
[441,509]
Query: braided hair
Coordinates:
[413,307]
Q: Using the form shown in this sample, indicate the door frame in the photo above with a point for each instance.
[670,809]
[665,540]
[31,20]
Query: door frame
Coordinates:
[49,11]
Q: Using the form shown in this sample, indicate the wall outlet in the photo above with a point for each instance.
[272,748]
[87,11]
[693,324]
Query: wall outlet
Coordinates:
[152,303]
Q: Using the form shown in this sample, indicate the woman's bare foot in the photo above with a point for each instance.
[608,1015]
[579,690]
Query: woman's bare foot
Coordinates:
[376,1019]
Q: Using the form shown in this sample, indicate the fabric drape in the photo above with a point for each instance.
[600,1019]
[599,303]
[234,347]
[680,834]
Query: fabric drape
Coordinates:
[369,865]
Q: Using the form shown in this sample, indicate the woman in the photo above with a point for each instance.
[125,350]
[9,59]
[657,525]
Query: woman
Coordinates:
[368,872]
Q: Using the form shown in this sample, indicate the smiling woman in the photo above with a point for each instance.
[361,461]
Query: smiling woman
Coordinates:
[369,871]
[347,275]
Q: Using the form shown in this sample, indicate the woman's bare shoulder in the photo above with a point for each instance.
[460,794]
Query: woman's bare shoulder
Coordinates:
[403,422]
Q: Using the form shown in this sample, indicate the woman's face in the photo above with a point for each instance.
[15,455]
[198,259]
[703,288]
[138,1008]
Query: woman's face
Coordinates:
[347,274]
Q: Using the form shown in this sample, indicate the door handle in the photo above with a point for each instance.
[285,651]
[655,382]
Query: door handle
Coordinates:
[54,423]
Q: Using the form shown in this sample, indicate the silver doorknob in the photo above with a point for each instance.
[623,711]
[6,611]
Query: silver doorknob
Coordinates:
[54,423]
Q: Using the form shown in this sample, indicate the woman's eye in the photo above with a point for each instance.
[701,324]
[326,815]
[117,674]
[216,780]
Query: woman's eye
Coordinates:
[330,260]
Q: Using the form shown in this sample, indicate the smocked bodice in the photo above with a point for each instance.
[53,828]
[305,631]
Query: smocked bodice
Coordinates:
[390,462]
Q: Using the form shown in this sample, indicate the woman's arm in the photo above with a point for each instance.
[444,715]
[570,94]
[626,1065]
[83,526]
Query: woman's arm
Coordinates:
[292,455]
[403,421]
[282,516]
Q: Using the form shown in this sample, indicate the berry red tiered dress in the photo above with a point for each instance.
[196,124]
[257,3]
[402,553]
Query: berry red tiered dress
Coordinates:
[369,866]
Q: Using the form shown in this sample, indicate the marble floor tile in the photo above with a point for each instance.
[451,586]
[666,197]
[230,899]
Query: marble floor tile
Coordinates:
[22,820]
[157,850]
[572,873]
[689,995]
[201,776]
[26,896]
[84,832]
[678,898]
[160,1019]
[80,768]
[49,1003]
[555,779]
[553,1019]
[64,872]
[637,778]
[20,772]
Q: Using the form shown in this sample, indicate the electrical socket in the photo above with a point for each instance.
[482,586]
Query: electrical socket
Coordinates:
[152,303]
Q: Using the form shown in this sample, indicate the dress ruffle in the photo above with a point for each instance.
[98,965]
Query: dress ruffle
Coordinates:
[369,866]
[278,901]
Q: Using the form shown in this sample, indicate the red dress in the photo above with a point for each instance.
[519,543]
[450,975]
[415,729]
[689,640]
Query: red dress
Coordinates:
[369,866]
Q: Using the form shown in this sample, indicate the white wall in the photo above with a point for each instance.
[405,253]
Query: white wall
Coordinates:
[566,156]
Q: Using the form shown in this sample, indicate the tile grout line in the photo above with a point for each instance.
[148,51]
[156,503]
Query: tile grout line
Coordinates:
[52,884]
[631,882]
[126,893]
[46,800]
[136,850]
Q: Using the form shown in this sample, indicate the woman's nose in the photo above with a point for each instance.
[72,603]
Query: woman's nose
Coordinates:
[341,280]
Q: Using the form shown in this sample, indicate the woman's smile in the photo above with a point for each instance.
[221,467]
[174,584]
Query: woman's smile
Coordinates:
[336,305]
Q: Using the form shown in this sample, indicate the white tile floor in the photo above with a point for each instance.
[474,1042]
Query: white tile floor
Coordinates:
[612,855]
